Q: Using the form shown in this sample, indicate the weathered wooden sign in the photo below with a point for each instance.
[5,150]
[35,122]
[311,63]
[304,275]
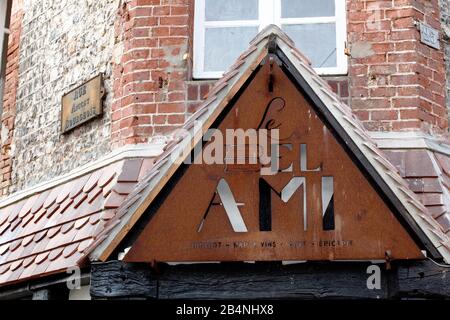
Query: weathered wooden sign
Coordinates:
[429,36]
[82,104]
[318,205]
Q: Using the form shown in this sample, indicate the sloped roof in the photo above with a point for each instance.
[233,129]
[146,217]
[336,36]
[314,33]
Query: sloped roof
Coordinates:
[49,231]
[428,175]
[54,229]
[272,40]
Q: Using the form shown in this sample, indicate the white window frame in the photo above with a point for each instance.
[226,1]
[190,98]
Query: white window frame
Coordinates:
[269,13]
[3,32]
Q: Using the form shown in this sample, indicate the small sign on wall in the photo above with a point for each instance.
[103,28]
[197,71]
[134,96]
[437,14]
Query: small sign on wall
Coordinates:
[429,36]
[82,104]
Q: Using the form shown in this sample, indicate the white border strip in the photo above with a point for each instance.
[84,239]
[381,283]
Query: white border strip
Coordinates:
[410,140]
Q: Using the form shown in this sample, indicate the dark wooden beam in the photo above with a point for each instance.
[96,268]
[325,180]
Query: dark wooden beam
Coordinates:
[59,292]
[268,281]
[423,280]
[118,280]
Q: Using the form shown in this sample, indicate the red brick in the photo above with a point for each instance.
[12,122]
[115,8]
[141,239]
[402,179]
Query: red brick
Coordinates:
[179,10]
[176,119]
[174,107]
[193,92]
[384,115]
[174,21]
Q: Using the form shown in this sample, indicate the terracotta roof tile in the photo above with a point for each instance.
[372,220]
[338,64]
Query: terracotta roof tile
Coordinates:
[26,220]
[27,240]
[15,245]
[28,271]
[29,249]
[92,181]
[80,199]
[70,250]
[80,223]
[39,202]
[52,232]
[15,225]
[106,177]
[57,265]
[42,267]
[84,245]
[16,265]
[146,166]
[55,253]
[420,185]
[4,228]
[108,215]
[94,219]
[25,208]
[444,162]
[114,200]
[418,164]
[28,261]
[51,199]
[15,273]
[67,227]
[63,192]
[130,171]
[40,258]
[79,186]
[124,188]
[3,248]
[444,221]
[94,194]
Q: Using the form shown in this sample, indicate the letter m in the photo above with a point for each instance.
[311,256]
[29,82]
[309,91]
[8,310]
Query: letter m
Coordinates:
[265,200]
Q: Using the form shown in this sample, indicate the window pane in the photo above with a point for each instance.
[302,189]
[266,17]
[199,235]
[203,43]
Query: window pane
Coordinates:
[307,8]
[224,45]
[226,10]
[316,41]
[3,70]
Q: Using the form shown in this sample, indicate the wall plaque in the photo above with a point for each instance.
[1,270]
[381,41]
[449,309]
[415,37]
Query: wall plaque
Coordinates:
[429,36]
[82,104]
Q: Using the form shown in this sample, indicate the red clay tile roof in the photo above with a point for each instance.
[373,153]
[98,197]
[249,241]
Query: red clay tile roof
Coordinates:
[49,232]
[428,175]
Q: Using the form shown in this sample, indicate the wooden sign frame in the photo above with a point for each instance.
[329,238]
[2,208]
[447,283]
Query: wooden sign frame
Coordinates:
[87,98]
[371,232]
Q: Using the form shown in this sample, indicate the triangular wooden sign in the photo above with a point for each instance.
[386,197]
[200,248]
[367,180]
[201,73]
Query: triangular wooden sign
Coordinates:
[318,206]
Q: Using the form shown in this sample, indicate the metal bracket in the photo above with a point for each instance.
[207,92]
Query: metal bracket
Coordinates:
[271,76]
[388,258]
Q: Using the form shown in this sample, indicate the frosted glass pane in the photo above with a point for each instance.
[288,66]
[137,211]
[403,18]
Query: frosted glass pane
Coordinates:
[226,10]
[316,41]
[224,45]
[307,8]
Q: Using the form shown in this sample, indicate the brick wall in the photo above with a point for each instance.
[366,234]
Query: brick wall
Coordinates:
[150,88]
[144,47]
[445,20]
[153,85]
[62,44]
[10,96]
[396,81]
